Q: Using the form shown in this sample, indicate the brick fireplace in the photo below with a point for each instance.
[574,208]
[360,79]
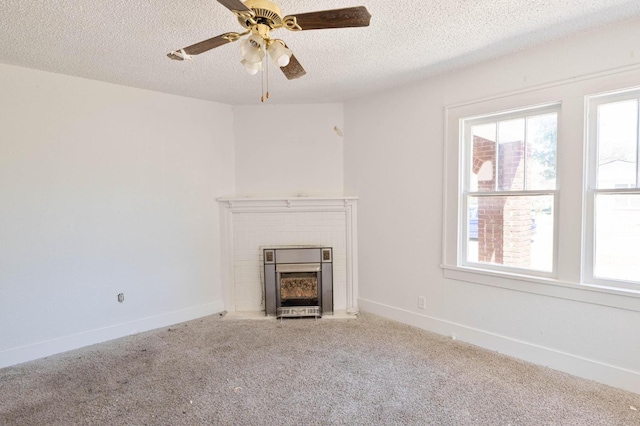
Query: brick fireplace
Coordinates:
[249,225]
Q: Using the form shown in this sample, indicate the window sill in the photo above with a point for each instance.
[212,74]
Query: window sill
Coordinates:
[586,293]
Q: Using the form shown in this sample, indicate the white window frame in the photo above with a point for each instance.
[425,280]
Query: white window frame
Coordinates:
[466,147]
[569,280]
[591,186]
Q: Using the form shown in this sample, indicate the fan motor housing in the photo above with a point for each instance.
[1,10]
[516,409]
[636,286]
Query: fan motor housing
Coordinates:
[266,13]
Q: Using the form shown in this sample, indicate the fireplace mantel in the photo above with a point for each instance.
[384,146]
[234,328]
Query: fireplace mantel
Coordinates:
[240,255]
[288,202]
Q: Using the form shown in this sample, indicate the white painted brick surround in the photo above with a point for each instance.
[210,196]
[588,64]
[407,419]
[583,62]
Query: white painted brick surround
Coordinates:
[249,224]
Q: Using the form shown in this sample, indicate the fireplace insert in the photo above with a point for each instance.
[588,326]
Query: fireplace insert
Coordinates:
[298,281]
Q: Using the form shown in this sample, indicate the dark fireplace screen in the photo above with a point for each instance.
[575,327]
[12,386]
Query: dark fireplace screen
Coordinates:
[298,281]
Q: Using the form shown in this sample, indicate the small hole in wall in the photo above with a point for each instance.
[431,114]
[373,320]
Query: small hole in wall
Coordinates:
[121,297]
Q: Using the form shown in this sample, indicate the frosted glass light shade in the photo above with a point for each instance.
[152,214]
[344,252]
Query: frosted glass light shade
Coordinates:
[280,55]
[251,49]
[251,67]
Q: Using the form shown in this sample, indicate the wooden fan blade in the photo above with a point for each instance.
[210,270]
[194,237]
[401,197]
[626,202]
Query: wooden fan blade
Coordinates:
[337,18]
[203,46]
[235,5]
[293,70]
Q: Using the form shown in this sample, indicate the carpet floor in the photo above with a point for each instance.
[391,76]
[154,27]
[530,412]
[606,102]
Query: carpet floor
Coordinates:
[369,371]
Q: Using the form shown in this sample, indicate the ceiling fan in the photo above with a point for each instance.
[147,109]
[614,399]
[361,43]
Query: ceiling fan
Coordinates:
[259,18]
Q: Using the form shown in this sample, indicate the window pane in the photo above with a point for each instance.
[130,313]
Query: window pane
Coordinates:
[542,138]
[511,161]
[514,231]
[482,176]
[617,236]
[617,144]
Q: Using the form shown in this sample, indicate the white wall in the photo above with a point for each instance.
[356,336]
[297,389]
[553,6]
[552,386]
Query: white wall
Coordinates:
[105,189]
[394,162]
[294,150]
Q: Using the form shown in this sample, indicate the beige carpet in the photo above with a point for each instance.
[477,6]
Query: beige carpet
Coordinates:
[367,371]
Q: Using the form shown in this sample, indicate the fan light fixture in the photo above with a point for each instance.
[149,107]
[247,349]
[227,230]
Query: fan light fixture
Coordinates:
[254,49]
[259,18]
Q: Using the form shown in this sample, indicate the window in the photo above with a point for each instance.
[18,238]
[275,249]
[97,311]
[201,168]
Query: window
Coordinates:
[613,195]
[508,196]
[542,190]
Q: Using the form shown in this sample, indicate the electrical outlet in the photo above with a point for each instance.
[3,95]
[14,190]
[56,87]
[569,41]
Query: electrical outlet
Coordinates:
[422,302]
[121,297]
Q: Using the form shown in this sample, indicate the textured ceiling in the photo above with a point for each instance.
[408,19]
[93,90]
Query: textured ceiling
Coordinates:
[126,42]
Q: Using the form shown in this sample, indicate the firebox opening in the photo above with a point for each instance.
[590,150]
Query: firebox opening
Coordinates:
[299,289]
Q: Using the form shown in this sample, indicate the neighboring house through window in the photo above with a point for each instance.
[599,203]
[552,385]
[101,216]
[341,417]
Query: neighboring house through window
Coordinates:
[613,196]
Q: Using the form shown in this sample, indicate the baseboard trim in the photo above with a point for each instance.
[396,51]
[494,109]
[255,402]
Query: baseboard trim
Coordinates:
[46,348]
[568,363]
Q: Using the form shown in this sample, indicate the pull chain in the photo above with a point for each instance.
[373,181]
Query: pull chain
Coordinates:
[262,82]
[267,67]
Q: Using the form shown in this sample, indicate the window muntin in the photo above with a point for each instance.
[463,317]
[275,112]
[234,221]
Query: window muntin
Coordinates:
[613,237]
[509,192]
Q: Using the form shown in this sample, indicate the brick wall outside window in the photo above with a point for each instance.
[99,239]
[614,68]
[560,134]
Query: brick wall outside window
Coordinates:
[504,222]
